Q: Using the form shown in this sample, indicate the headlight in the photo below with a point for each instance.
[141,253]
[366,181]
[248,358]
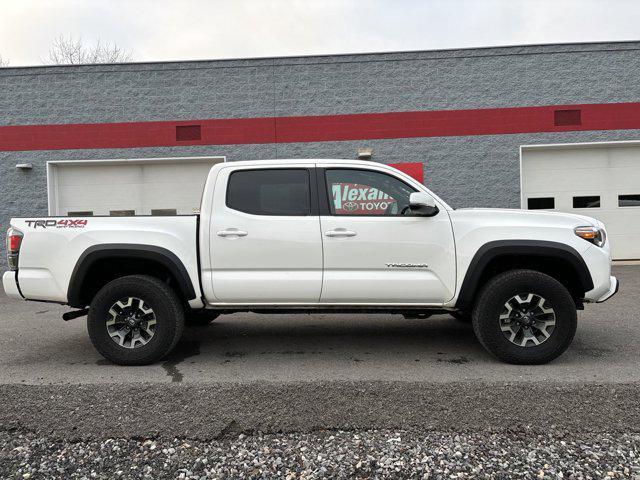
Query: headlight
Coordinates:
[594,235]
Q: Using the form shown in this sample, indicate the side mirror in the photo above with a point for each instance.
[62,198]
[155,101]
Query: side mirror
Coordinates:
[422,204]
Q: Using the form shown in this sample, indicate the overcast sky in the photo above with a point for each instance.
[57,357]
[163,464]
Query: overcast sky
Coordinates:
[205,29]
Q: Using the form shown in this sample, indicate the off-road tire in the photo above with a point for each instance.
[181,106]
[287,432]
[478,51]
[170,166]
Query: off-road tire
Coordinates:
[167,308]
[491,301]
[200,318]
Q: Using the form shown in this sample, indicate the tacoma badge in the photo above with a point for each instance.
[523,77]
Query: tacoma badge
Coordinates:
[407,265]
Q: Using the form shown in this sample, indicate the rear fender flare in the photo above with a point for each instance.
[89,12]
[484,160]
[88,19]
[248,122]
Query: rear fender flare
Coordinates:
[125,250]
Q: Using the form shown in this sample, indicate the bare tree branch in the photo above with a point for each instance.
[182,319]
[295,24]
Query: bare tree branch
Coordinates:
[3,62]
[70,51]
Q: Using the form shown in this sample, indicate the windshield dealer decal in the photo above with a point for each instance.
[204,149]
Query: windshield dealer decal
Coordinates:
[352,198]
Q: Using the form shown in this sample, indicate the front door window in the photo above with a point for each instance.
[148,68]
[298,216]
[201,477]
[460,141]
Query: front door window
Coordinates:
[366,192]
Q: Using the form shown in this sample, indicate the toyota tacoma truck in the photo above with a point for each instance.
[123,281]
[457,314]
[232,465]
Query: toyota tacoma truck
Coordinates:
[315,236]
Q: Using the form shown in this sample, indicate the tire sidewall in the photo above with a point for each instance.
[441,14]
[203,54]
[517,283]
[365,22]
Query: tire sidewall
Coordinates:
[159,297]
[491,303]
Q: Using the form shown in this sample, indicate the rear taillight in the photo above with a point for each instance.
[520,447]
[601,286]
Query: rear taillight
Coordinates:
[14,240]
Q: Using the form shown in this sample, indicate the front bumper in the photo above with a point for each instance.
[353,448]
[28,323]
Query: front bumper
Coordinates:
[10,285]
[614,286]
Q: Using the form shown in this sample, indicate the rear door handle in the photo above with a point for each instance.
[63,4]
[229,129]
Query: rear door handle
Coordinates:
[340,232]
[232,232]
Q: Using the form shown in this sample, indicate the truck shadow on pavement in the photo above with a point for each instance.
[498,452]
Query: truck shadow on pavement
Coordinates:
[237,337]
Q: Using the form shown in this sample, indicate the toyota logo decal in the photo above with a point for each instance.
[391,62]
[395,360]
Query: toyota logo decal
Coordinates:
[350,206]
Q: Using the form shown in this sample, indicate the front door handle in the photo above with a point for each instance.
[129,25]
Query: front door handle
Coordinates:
[340,232]
[232,232]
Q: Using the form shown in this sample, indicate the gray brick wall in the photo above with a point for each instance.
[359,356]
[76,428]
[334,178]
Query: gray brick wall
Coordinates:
[494,77]
[466,171]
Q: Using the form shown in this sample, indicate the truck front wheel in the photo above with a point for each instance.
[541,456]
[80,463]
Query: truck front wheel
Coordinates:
[135,320]
[524,317]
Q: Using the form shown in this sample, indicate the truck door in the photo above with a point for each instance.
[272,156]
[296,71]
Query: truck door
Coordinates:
[375,250]
[265,243]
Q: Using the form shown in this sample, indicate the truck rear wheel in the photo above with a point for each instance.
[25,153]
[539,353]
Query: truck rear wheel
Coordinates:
[524,317]
[135,320]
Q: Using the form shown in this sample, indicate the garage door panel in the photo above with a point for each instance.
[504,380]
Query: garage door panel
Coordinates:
[189,172]
[625,178]
[583,158]
[624,157]
[587,159]
[181,198]
[141,186]
[100,194]
[619,222]
[625,246]
[96,175]
[606,171]
[587,180]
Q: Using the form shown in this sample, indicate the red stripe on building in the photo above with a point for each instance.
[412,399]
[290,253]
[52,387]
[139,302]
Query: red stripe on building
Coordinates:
[322,128]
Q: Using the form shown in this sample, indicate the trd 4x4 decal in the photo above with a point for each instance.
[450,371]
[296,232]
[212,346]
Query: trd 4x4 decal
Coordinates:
[63,223]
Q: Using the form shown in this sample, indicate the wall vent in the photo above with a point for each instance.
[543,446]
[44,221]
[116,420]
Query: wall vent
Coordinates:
[185,133]
[563,118]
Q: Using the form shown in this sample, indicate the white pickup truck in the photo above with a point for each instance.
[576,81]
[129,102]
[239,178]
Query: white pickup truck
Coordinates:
[315,236]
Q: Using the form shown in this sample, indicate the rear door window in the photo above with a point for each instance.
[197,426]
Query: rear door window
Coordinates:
[274,191]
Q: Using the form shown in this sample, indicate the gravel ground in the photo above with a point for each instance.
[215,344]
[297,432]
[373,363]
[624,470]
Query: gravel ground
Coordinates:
[367,454]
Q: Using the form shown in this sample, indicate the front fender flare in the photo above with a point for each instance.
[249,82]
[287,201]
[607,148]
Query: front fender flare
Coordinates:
[537,248]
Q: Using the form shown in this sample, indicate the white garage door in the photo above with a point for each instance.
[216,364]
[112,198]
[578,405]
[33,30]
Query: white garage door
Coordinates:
[598,180]
[128,187]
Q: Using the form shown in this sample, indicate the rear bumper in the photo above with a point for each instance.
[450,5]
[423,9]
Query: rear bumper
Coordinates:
[614,286]
[10,285]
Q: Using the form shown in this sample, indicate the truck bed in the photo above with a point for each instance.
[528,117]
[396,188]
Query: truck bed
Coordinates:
[53,246]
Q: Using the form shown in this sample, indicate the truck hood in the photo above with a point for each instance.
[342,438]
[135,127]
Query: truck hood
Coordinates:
[527,216]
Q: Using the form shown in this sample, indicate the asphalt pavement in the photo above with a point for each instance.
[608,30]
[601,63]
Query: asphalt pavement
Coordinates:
[38,348]
[293,373]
